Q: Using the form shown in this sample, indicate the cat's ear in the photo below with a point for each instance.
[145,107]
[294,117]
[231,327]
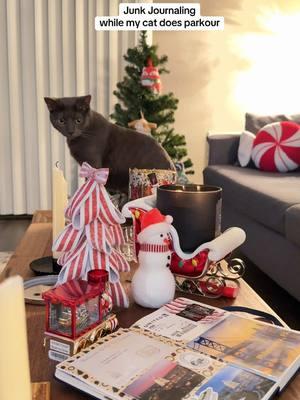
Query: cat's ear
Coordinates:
[52,103]
[83,102]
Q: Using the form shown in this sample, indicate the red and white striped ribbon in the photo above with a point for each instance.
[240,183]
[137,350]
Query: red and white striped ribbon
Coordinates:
[115,234]
[118,261]
[109,214]
[68,239]
[96,236]
[76,264]
[98,260]
[119,295]
[83,207]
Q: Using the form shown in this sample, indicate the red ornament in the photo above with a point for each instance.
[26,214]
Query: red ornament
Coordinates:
[150,77]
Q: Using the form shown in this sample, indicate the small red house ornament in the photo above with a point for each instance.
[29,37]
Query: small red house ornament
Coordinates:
[76,306]
[150,77]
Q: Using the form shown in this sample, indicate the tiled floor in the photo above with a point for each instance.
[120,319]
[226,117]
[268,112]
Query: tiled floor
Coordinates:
[12,230]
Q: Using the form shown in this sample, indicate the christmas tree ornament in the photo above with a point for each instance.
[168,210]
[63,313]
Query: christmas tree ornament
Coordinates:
[94,235]
[142,125]
[153,284]
[150,77]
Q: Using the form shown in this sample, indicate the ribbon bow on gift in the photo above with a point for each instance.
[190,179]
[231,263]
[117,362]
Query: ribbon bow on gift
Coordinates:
[99,175]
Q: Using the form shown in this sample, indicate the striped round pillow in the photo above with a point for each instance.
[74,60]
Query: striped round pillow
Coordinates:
[276,147]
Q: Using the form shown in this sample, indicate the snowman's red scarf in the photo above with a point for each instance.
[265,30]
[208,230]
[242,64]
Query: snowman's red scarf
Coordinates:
[154,248]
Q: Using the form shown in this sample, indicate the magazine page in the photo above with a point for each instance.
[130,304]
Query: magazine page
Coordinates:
[140,365]
[250,344]
[182,319]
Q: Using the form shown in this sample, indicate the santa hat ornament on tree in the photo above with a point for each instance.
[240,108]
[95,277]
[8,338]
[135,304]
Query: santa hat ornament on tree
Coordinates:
[91,239]
[150,77]
[153,284]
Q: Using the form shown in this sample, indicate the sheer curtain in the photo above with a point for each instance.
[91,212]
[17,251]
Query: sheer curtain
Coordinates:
[49,48]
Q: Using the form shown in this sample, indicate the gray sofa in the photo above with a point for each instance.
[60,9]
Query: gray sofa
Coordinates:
[266,205]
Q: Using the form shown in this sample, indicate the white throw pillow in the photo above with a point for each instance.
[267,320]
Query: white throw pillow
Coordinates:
[245,148]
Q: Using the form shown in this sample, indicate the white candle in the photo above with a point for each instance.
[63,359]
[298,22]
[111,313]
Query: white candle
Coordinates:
[59,203]
[14,362]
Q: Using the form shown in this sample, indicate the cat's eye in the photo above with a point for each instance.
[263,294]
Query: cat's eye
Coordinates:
[78,121]
[61,121]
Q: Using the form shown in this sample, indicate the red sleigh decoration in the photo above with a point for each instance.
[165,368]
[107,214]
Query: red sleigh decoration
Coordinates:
[198,274]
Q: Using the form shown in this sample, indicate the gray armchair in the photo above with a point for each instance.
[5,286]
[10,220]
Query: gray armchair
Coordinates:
[266,205]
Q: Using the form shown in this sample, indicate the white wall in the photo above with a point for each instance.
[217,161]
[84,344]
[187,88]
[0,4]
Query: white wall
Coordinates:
[253,65]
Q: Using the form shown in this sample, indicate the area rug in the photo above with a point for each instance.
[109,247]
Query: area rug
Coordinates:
[4,258]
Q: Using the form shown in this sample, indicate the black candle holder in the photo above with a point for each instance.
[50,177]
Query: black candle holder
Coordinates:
[45,266]
[196,212]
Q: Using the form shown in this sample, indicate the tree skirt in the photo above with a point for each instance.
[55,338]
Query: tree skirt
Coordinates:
[4,257]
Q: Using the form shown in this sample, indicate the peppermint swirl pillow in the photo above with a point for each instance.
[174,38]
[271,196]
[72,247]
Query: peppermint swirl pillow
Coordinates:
[276,147]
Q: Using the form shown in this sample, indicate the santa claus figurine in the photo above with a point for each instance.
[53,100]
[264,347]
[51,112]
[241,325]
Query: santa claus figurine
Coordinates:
[153,284]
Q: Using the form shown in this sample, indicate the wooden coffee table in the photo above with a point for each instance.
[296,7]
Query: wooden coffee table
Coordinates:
[37,243]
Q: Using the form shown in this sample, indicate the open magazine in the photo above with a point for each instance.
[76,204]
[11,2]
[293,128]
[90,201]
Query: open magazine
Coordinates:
[187,350]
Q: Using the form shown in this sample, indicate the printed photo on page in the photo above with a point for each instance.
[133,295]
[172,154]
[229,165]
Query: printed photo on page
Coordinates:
[166,380]
[232,383]
[251,344]
[182,319]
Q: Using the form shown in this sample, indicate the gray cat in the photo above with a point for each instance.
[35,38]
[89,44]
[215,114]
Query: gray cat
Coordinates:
[93,139]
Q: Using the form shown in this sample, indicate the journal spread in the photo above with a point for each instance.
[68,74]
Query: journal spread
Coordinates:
[187,350]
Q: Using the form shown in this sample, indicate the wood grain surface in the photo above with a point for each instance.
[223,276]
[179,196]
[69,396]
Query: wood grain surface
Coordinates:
[36,243]
[40,390]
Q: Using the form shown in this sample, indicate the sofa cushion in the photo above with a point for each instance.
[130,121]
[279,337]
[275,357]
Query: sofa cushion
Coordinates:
[245,148]
[292,224]
[263,196]
[253,122]
[276,147]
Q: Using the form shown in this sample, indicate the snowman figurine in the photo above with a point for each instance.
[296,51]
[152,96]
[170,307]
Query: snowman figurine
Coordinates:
[153,284]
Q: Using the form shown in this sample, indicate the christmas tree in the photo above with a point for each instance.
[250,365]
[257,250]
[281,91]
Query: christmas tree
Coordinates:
[157,108]
[93,236]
